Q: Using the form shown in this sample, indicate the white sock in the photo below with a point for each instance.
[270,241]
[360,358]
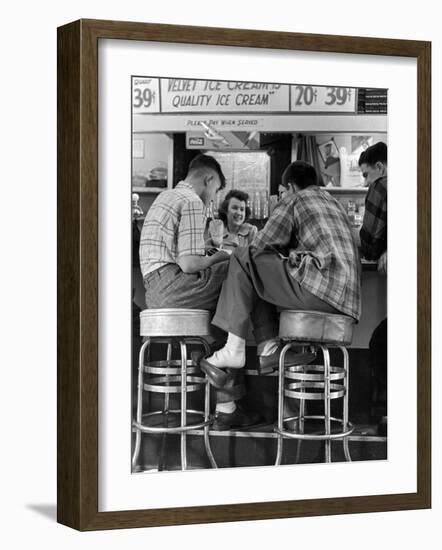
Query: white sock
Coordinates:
[232,355]
[268,346]
[227,408]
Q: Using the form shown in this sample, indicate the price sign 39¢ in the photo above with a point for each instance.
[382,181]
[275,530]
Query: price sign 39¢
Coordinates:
[145,95]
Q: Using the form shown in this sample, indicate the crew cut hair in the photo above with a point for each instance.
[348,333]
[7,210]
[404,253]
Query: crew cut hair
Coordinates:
[206,162]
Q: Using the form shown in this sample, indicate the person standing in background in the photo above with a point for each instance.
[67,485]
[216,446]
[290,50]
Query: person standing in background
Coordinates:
[373,237]
[373,233]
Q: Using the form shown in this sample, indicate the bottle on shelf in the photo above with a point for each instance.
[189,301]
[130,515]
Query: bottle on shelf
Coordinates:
[351,211]
[257,206]
[265,206]
[137,211]
[249,205]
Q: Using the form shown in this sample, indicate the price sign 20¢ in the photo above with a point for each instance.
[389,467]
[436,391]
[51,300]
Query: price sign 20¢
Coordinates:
[323,99]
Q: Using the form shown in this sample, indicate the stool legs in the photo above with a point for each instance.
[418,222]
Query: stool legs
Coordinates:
[183,404]
[327,423]
[207,446]
[207,412]
[281,403]
[327,380]
[184,427]
[301,417]
[161,458]
[139,415]
[345,402]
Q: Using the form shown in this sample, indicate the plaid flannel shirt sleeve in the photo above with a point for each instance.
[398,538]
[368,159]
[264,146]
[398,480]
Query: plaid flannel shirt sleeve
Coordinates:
[373,233]
[277,232]
[190,238]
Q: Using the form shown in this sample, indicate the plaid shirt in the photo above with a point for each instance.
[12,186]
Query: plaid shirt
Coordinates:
[373,232]
[173,228]
[312,229]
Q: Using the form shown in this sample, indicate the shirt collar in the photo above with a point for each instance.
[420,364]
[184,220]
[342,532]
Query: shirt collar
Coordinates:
[185,185]
[381,179]
[244,230]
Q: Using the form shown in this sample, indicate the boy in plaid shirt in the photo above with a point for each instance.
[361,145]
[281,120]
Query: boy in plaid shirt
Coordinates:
[305,258]
[176,271]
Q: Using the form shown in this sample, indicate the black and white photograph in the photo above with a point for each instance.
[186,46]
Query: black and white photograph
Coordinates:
[259,274]
[210,362]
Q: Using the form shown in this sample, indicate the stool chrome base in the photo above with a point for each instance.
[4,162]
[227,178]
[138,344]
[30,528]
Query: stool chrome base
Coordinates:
[325,383]
[172,377]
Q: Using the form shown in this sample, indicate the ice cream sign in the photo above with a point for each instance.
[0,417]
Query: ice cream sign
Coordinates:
[177,95]
[208,95]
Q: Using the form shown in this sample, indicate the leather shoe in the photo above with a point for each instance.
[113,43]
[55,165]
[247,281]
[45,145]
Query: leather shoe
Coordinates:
[268,363]
[217,377]
[239,418]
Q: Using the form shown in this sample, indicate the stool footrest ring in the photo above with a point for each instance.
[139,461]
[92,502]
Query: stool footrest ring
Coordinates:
[317,437]
[169,367]
[159,385]
[305,373]
[176,429]
[294,391]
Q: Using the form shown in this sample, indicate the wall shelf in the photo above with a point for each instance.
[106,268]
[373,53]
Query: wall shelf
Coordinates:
[147,190]
[347,190]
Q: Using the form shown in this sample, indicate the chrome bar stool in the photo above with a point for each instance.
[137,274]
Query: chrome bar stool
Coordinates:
[180,328]
[314,382]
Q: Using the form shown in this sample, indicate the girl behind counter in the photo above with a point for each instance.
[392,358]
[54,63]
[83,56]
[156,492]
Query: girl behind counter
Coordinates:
[234,212]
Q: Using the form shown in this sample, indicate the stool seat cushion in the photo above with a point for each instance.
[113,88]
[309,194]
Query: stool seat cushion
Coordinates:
[315,326]
[174,322]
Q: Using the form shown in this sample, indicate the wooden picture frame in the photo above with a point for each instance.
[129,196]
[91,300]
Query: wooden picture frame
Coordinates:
[77,225]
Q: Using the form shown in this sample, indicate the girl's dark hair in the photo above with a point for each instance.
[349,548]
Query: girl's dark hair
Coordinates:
[233,194]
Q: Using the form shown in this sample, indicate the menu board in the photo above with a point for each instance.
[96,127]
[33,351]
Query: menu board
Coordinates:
[373,100]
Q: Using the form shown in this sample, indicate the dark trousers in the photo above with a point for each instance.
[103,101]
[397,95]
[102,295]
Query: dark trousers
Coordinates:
[257,285]
[378,364]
